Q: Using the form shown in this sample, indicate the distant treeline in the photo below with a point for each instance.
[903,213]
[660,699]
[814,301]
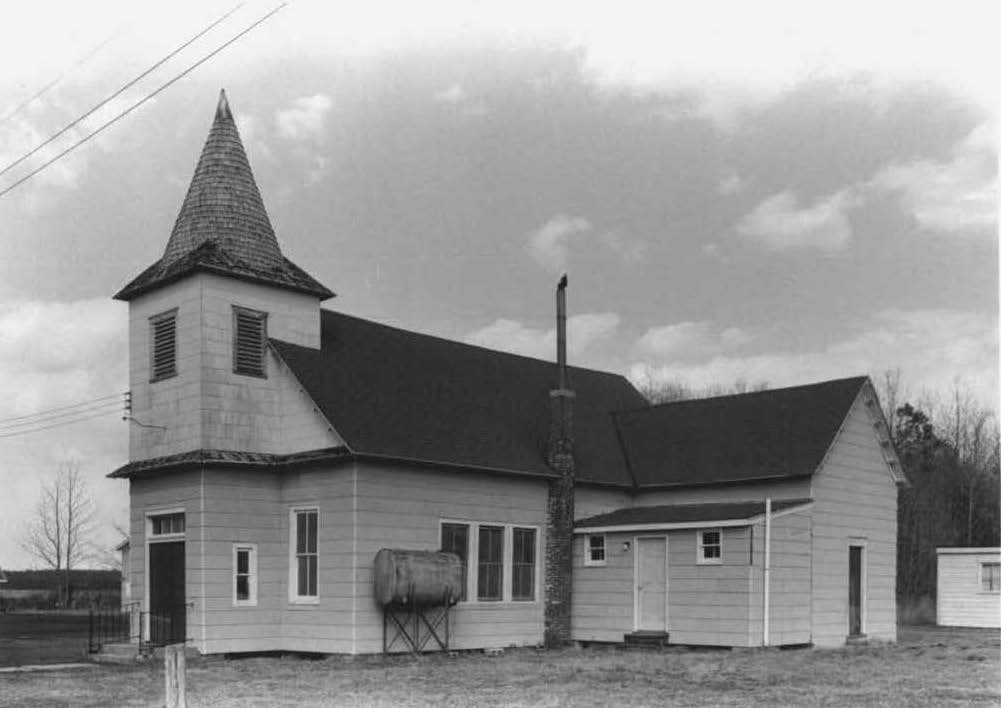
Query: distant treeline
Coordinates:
[39,589]
[50,579]
[953,497]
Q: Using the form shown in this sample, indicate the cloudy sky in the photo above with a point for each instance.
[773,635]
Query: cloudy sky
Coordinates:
[772,192]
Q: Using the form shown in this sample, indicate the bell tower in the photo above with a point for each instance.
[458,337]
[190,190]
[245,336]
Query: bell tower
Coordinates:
[201,373]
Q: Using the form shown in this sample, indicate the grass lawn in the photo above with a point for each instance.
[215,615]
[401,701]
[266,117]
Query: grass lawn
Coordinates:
[928,667]
[42,638]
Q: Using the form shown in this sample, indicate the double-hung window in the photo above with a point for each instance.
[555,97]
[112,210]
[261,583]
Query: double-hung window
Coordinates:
[303,583]
[522,564]
[455,539]
[490,567]
[594,550]
[990,577]
[710,547]
[244,575]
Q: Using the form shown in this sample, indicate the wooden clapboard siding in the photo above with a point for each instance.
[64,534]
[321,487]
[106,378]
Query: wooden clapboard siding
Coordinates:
[168,492]
[962,602]
[402,508]
[603,595]
[242,507]
[855,502]
[789,595]
[327,625]
[709,604]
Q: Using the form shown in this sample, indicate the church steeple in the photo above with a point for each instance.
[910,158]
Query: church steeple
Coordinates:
[223,226]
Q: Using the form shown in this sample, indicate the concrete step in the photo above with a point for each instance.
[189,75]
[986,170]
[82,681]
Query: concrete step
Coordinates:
[120,649]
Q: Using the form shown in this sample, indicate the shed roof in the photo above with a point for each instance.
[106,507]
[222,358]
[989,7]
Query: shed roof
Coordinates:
[732,513]
[223,226]
[398,394]
[775,434]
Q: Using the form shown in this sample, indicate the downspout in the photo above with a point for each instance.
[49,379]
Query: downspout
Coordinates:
[767,568]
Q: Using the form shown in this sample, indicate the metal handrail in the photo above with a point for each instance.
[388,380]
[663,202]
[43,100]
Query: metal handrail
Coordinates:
[109,625]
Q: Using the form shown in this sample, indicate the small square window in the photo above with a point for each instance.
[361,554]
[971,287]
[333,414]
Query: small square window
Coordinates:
[163,346]
[594,550]
[990,577]
[710,549]
[250,336]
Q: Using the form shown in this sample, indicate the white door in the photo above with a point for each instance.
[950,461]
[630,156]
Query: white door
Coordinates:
[651,584]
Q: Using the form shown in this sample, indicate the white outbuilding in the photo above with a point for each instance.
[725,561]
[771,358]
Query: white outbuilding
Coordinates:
[969,587]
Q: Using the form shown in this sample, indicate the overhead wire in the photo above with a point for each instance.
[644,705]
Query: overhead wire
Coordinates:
[61,408]
[121,90]
[10,434]
[106,406]
[73,67]
[143,100]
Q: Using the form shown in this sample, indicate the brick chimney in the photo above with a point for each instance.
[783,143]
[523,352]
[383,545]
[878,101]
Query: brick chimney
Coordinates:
[560,502]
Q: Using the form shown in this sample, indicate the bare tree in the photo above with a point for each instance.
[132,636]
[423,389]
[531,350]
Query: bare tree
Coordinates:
[59,533]
[669,390]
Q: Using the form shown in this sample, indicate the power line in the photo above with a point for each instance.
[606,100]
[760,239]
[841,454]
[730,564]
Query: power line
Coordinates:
[42,91]
[140,102]
[117,93]
[62,408]
[55,425]
[106,406]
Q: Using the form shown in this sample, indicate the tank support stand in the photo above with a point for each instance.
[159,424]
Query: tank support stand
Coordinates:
[404,624]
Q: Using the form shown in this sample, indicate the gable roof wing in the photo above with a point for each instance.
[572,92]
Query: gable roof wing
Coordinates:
[398,394]
[774,434]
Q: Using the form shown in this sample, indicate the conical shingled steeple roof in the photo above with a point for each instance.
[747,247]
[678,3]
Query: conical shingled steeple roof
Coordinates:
[223,226]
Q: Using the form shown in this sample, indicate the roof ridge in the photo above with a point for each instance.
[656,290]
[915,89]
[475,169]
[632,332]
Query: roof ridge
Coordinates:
[749,394]
[339,313]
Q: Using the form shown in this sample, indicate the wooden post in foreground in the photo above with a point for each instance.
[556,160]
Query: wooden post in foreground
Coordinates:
[173,670]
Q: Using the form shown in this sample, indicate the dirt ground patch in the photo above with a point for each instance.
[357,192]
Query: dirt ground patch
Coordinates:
[42,638]
[928,667]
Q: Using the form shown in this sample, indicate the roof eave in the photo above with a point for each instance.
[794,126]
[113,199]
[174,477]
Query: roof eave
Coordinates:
[132,291]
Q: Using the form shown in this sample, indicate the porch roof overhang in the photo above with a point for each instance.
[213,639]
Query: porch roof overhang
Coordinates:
[687,516]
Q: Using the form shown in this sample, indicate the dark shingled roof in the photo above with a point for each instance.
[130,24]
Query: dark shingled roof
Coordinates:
[223,226]
[686,513]
[227,459]
[393,393]
[780,433]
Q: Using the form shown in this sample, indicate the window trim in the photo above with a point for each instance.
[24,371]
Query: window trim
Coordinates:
[989,591]
[534,565]
[473,561]
[700,546]
[258,315]
[505,565]
[589,560]
[294,597]
[464,596]
[252,579]
[153,321]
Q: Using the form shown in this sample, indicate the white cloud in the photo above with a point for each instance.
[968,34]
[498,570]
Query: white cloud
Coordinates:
[549,244]
[583,331]
[305,119]
[730,183]
[629,250]
[453,94]
[686,340]
[931,347]
[780,223]
[949,196]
